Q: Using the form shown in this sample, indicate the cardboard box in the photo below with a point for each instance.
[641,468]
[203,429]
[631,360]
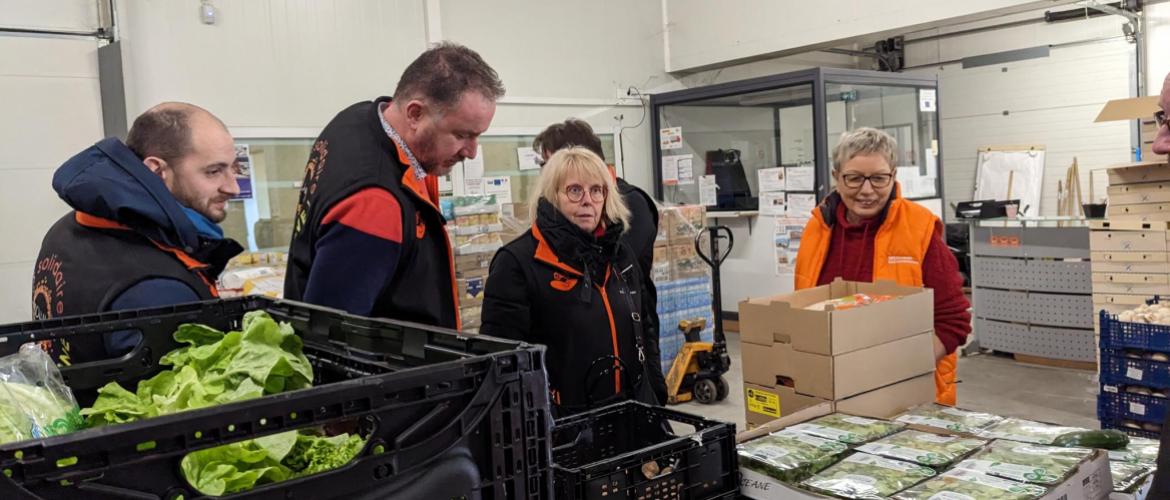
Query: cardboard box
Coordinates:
[1091,481]
[1149,192]
[1136,173]
[685,262]
[470,291]
[682,223]
[473,265]
[1128,257]
[764,403]
[1128,241]
[1135,108]
[783,318]
[842,376]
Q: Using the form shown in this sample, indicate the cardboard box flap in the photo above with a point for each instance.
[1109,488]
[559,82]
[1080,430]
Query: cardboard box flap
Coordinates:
[786,421]
[1128,109]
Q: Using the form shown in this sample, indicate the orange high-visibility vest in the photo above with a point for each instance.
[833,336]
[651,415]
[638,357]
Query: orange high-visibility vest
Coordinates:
[899,248]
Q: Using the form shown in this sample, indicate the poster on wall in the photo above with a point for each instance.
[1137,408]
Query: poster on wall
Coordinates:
[244,174]
[670,138]
[707,195]
[927,100]
[771,179]
[772,204]
[473,174]
[801,178]
[501,187]
[786,243]
[671,166]
[527,158]
[800,206]
[686,172]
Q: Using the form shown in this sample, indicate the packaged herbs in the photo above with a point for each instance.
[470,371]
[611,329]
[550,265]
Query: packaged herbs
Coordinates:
[923,448]
[848,429]
[790,456]
[948,418]
[1025,462]
[1025,431]
[963,484]
[864,476]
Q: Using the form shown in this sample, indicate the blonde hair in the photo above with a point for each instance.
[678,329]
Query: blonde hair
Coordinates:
[865,141]
[590,168]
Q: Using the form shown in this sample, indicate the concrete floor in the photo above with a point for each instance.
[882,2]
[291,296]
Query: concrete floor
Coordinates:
[987,383]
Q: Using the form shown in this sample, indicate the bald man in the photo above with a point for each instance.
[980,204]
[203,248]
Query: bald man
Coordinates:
[143,231]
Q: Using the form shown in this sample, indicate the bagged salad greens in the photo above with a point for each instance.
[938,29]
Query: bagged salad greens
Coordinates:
[1139,451]
[789,456]
[1026,462]
[923,448]
[864,476]
[34,400]
[963,484]
[848,429]
[1025,431]
[1127,477]
[948,418]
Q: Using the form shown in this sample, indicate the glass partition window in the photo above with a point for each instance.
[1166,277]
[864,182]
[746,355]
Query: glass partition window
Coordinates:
[907,113]
[263,219]
[730,139]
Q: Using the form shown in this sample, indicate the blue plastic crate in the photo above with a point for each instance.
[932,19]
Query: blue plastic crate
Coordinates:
[1118,406]
[1117,369]
[1117,334]
[1132,432]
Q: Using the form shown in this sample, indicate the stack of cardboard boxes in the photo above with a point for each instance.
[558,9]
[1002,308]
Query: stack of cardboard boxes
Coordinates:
[682,279]
[872,359]
[1139,192]
[1130,262]
[476,233]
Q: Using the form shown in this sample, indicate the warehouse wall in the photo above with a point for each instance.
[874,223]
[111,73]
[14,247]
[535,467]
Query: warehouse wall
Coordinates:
[52,109]
[704,34]
[1158,45]
[1049,101]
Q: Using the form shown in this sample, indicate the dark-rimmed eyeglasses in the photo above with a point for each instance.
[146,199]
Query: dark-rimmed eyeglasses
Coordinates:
[576,193]
[855,181]
[1160,118]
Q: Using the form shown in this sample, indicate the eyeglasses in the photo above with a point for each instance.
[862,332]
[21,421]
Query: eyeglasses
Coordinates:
[576,193]
[1160,117]
[855,181]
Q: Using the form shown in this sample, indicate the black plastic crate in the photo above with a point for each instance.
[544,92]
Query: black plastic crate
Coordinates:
[446,415]
[606,453]
[1119,369]
[1117,334]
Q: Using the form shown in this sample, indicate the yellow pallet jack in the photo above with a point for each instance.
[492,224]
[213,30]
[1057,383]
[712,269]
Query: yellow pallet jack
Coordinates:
[697,372]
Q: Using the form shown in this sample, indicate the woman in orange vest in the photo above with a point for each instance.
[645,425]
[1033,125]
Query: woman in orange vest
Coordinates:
[865,231]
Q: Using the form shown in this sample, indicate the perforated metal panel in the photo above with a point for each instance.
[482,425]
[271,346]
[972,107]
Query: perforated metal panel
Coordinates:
[1035,242]
[1032,274]
[1056,343]
[1044,309]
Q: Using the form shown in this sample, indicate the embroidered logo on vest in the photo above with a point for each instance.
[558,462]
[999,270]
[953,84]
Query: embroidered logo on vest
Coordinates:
[562,282]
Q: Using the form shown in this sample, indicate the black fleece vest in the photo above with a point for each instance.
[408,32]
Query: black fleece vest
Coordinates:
[81,269]
[354,153]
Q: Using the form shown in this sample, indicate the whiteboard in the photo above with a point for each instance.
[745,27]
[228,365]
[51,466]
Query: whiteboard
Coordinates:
[1025,169]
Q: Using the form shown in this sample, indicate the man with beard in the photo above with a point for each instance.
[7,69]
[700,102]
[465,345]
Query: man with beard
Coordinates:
[143,230]
[368,236]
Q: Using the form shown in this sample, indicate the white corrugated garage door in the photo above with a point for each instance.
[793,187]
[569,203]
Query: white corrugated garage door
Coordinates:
[1049,101]
[52,109]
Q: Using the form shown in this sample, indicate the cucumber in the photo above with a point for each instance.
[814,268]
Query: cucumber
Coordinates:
[1110,439]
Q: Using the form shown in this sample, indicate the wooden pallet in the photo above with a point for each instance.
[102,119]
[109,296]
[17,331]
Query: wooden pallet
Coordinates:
[1057,363]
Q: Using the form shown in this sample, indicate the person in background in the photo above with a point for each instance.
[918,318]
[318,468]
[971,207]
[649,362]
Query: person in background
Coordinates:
[865,231]
[368,236]
[1161,146]
[143,230]
[571,283]
[643,224]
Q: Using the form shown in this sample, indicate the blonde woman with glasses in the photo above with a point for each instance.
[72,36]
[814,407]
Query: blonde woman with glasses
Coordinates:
[570,283]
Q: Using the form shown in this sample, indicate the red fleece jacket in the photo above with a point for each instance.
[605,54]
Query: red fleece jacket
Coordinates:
[851,258]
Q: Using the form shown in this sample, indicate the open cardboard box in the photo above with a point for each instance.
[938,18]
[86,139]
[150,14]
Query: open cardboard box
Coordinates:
[784,319]
[1091,481]
[842,376]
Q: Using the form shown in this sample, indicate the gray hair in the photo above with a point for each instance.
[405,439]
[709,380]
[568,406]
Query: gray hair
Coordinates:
[865,141]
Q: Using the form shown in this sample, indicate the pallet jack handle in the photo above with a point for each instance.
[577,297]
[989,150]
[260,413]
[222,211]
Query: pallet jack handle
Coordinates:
[715,259]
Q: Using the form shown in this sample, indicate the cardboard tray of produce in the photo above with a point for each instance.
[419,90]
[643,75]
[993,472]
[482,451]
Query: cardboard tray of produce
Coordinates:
[1091,481]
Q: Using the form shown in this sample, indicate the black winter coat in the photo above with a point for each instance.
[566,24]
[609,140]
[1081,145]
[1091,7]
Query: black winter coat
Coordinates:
[579,295]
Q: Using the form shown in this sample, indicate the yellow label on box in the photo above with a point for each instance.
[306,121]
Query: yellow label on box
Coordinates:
[763,402]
